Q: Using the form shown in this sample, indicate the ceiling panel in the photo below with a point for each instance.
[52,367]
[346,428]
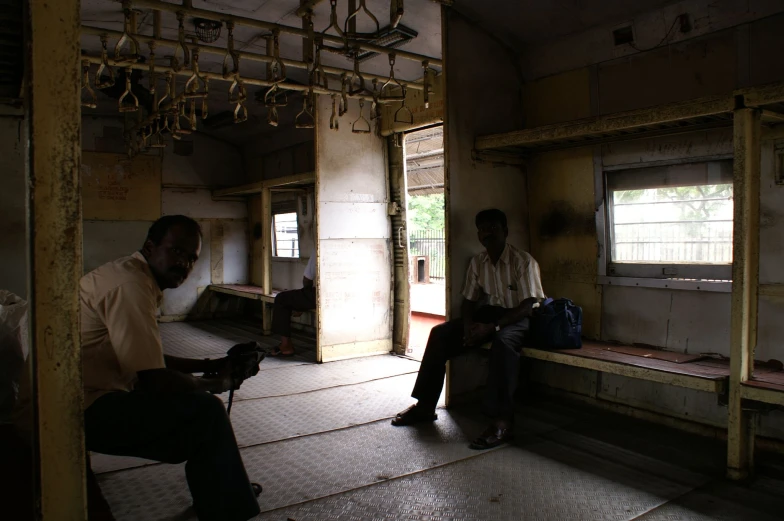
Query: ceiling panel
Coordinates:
[521,22]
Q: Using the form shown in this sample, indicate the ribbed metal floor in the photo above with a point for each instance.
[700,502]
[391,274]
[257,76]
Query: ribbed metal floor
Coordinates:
[318,438]
[278,418]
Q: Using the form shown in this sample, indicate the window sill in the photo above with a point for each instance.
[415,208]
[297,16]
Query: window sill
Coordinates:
[686,285]
[287,259]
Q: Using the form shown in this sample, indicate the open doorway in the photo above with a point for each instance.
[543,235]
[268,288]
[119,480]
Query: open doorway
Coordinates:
[424,153]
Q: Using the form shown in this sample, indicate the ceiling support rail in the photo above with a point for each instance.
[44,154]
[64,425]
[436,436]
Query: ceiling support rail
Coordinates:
[269,26]
[219,77]
[249,56]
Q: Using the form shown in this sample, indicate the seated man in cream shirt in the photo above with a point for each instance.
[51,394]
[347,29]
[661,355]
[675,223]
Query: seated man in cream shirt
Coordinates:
[502,288]
[140,402]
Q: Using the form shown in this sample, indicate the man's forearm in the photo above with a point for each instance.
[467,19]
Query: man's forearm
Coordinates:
[517,314]
[192,365]
[173,381]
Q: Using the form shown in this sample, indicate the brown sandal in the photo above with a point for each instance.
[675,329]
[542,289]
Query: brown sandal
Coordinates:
[278,353]
[413,415]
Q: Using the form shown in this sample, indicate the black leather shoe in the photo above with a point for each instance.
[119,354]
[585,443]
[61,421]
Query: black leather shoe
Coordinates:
[492,437]
[413,415]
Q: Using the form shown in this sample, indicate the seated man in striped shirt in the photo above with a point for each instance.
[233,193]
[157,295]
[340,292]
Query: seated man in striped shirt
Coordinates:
[502,288]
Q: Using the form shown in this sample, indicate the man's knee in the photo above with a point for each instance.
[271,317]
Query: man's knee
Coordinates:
[507,340]
[284,298]
[206,405]
[446,328]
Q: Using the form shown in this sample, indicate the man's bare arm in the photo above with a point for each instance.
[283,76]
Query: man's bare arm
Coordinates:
[193,365]
[173,381]
[476,333]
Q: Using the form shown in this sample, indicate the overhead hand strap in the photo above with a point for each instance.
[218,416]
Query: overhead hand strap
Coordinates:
[427,82]
[181,46]
[92,101]
[364,124]
[196,86]
[354,15]
[99,83]
[305,117]
[334,123]
[333,24]
[392,90]
[127,36]
[400,114]
[133,102]
[231,54]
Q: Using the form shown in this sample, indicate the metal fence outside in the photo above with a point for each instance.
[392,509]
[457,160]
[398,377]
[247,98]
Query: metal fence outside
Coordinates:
[698,242]
[433,244]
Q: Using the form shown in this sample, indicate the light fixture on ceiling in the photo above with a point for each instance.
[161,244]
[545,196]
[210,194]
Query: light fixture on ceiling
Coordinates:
[208,31]
[389,38]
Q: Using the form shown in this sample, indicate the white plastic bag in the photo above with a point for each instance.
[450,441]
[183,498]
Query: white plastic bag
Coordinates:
[13,349]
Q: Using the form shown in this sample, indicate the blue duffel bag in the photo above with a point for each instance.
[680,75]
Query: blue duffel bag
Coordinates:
[557,324]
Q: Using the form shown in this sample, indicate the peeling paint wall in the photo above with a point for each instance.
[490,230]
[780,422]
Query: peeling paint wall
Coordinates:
[13,204]
[186,189]
[563,230]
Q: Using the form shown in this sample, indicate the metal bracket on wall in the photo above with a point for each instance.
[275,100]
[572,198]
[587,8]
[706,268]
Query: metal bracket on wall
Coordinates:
[393,208]
[497,158]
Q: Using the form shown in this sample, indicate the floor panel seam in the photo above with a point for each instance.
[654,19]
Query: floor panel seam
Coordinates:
[406,475]
[238,400]
[254,445]
[668,501]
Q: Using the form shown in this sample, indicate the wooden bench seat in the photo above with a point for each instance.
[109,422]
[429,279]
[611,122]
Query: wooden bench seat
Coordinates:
[245,291]
[636,362]
[767,386]
[253,293]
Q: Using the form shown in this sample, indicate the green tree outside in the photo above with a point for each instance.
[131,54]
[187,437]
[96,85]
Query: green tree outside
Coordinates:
[426,213]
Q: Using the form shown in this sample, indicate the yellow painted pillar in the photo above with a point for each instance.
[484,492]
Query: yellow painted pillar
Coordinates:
[745,277]
[266,257]
[56,255]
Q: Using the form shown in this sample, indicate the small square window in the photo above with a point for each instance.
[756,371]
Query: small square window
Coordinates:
[671,222]
[286,236]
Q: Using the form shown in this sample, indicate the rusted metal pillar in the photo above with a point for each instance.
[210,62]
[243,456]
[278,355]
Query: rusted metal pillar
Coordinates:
[398,197]
[745,282]
[55,231]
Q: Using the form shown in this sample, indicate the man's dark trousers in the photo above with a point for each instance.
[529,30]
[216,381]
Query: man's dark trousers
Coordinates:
[173,428]
[287,301]
[446,342]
